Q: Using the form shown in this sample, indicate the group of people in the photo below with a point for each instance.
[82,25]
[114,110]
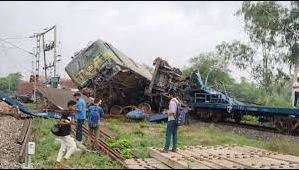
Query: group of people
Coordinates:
[95,111]
[77,114]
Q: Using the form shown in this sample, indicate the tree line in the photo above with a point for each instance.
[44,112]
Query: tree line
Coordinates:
[270,56]
[9,83]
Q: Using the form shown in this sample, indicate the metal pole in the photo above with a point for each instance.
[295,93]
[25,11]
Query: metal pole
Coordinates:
[55,55]
[34,84]
[9,79]
[38,52]
[45,63]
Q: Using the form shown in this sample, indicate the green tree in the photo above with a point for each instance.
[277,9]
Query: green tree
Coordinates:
[290,34]
[213,69]
[264,55]
[10,83]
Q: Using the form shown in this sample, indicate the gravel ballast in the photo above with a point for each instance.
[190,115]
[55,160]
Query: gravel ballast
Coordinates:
[10,129]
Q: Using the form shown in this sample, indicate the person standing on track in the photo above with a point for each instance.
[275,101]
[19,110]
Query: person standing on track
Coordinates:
[80,117]
[95,114]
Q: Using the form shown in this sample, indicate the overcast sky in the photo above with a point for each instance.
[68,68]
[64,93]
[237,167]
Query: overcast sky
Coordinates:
[175,31]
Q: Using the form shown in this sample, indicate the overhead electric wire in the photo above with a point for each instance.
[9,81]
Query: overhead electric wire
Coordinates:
[3,40]
[17,38]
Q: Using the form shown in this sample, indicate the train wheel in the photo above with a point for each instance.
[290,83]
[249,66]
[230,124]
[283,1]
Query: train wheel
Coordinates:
[116,110]
[145,107]
[127,109]
[216,117]
[238,117]
[294,125]
[284,125]
[278,125]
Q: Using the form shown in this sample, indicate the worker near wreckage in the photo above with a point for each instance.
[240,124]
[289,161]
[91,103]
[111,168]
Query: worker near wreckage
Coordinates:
[172,128]
[80,117]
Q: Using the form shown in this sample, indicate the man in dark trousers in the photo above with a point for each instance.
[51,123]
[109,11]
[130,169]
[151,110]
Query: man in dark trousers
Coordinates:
[80,117]
[171,129]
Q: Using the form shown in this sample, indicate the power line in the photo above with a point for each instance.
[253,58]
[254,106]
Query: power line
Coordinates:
[3,40]
[17,38]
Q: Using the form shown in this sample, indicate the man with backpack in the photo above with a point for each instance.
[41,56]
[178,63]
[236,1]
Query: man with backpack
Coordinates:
[95,113]
[172,127]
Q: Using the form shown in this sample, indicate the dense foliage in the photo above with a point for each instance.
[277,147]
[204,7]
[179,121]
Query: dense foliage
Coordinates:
[215,73]
[10,83]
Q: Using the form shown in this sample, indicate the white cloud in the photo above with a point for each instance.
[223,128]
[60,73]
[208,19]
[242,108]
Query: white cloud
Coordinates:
[142,30]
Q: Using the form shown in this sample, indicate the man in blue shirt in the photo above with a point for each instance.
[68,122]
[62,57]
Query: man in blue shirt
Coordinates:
[80,117]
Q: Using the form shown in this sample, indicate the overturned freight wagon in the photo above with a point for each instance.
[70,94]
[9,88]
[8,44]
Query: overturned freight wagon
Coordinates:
[102,70]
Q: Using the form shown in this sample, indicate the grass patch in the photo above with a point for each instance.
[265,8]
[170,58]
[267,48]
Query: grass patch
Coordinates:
[142,135]
[34,106]
[134,139]
[250,118]
[47,150]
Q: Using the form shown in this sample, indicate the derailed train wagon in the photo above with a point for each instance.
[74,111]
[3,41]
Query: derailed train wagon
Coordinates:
[103,70]
[111,75]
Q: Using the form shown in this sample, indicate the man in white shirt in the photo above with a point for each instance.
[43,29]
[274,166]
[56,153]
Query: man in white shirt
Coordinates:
[171,129]
[296,88]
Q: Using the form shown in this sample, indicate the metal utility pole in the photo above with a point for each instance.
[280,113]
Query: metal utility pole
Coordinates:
[41,48]
[36,70]
[44,53]
[49,47]
[55,54]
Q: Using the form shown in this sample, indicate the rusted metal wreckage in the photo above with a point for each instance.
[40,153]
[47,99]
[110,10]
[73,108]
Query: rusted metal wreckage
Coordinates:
[103,71]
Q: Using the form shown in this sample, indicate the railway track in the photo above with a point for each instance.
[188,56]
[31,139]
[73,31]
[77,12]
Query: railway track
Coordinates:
[24,138]
[257,128]
[102,146]
[15,132]
[248,130]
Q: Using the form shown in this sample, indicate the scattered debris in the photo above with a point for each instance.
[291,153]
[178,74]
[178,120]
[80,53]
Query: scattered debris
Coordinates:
[56,98]
[6,109]
[158,117]
[136,114]
[13,102]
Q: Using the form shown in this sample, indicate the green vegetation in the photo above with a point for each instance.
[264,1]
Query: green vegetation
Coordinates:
[215,73]
[34,106]
[47,150]
[136,137]
[251,119]
[270,56]
[10,83]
